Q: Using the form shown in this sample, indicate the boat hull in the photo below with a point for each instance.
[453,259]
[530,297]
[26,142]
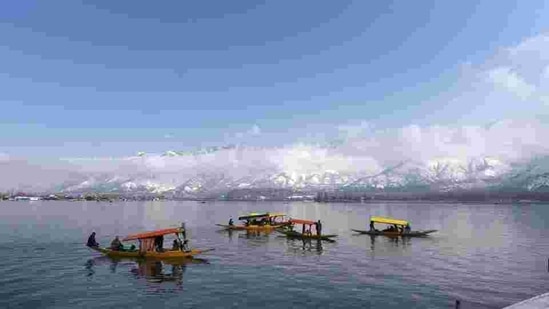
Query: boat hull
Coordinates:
[395,234]
[168,254]
[297,235]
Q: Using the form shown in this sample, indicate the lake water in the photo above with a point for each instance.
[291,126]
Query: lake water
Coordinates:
[485,255]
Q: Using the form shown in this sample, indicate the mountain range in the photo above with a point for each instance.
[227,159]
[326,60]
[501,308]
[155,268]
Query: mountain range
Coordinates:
[201,175]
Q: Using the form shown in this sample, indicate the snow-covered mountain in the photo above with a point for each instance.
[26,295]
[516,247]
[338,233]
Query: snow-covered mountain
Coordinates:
[215,171]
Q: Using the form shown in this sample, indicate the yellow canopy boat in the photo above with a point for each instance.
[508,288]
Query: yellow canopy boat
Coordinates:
[397,228]
[387,220]
[151,246]
[267,221]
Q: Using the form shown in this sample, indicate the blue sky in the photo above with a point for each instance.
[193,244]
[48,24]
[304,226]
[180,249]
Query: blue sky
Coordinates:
[86,78]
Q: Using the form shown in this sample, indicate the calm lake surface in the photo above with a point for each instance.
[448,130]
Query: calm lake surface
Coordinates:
[487,256]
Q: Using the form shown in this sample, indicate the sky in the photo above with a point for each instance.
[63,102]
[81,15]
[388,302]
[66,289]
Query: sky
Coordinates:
[111,78]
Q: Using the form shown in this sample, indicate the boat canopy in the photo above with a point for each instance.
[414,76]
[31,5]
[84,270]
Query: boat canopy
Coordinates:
[152,234]
[254,215]
[276,214]
[388,220]
[300,221]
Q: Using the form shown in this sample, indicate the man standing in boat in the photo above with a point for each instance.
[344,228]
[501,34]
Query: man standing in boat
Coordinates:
[183,231]
[318,227]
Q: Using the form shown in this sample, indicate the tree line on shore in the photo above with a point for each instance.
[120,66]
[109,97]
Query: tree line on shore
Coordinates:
[324,196]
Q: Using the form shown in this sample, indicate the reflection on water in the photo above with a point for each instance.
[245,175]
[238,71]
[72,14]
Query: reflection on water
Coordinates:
[304,245]
[156,272]
[399,241]
[102,260]
[372,242]
[153,271]
[482,254]
[385,245]
[229,233]
[254,234]
[311,245]
[246,234]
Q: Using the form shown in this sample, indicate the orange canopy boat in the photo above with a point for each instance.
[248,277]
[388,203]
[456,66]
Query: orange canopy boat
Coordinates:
[153,234]
[307,230]
[151,246]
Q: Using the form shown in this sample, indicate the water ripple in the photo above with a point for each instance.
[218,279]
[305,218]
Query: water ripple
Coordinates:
[483,265]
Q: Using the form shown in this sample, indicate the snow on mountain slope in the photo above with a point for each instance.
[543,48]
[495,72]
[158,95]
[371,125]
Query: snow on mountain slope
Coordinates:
[199,175]
[507,155]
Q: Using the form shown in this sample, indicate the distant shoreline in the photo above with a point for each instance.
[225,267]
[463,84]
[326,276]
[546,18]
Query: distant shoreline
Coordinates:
[493,200]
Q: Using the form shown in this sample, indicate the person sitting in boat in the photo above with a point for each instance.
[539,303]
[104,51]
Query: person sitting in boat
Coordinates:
[231,222]
[116,245]
[289,226]
[407,229]
[159,243]
[175,245]
[91,241]
[186,246]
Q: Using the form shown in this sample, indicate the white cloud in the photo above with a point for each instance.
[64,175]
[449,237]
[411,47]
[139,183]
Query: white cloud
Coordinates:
[520,77]
[353,131]
[533,48]
[505,141]
[4,157]
[511,84]
[509,80]
[255,130]
[546,72]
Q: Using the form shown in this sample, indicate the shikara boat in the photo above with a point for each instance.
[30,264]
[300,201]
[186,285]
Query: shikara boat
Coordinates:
[258,222]
[167,254]
[148,248]
[307,232]
[397,228]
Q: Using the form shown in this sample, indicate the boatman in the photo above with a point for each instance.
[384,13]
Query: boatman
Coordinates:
[183,231]
[318,228]
[231,222]
[372,226]
[91,241]
[407,229]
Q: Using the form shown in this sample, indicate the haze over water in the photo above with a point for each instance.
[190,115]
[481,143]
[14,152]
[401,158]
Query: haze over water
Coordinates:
[487,256]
